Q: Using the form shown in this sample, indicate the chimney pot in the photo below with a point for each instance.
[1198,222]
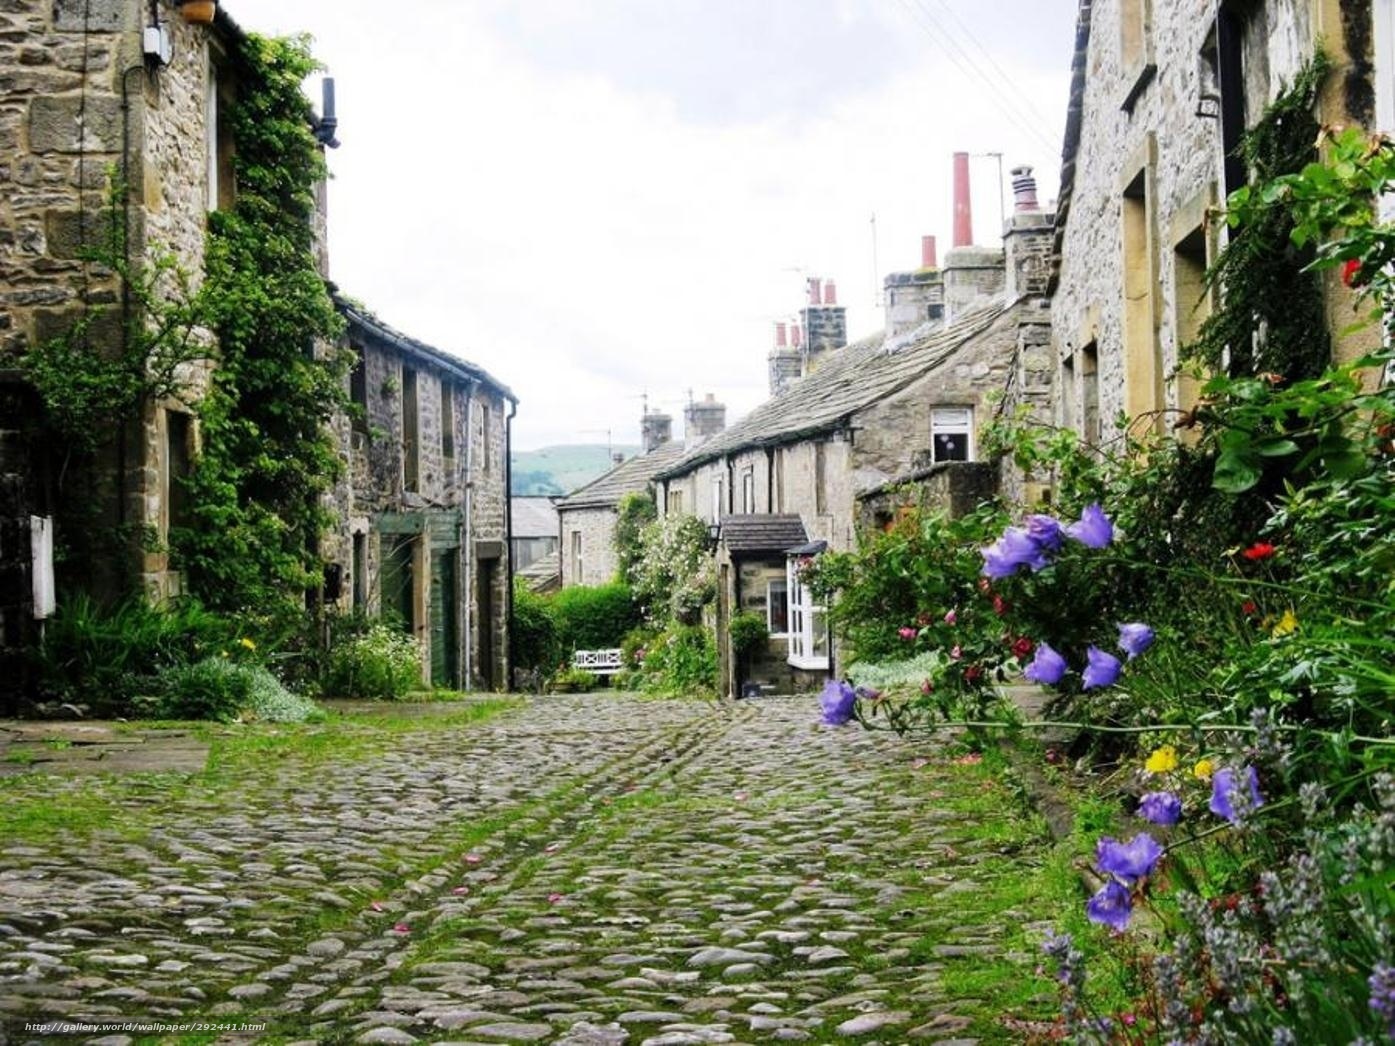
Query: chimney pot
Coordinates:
[830,292]
[928,258]
[815,291]
[780,341]
[963,205]
[1024,190]
[797,335]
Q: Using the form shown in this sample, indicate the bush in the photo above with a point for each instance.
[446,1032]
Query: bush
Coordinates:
[593,617]
[107,658]
[535,640]
[214,688]
[380,663]
[271,702]
[748,632]
[573,681]
[681,660]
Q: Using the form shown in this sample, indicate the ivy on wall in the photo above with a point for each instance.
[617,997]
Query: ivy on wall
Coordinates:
[268,457]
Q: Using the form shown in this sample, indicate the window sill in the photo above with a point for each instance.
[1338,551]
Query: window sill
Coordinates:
[811,663]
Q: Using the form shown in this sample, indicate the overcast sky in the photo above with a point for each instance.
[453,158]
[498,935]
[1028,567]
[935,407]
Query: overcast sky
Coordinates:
[597,199]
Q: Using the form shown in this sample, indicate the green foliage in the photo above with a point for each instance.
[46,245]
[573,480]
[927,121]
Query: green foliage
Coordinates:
[255,494]
[269,701]
[748,631]
[593,617]
[572,681]
[214,688]
[381,663]
[535,635]
[902,674]
[107,658]
[635,512]
[673,575]
[1263,273]
[680,660]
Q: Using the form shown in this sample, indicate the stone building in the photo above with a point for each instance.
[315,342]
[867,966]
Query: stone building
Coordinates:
[423,512]
[1162,92]
[534,533]
[110,120]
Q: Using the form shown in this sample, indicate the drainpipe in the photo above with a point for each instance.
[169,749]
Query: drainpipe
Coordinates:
[467,632]
[770,480]
[508,546]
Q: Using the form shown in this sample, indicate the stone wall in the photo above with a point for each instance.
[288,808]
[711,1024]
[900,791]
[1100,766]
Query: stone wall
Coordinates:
[1179,154]
[972,275]
[597,529]
[956,488]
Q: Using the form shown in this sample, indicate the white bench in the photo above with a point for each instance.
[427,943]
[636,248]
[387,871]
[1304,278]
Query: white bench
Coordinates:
[599,662]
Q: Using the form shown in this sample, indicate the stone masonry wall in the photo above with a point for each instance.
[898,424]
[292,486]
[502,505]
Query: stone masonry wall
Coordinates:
[597,529]
[1185,148]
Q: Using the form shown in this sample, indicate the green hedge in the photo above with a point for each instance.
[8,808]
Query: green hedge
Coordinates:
[594,617]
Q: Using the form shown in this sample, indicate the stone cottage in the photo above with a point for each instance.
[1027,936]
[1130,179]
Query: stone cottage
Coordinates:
[587,516]
[1162,92]
[423,529]
[960,343]
[96,86]
[534,533]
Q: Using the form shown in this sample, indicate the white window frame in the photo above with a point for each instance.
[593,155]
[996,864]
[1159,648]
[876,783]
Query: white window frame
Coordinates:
[807,622]
[718,490]
[578,559]
[211,139]
[783,583]
[748,492]
[940,423]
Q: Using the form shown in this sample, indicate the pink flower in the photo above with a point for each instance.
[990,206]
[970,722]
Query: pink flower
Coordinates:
[554,898]
[473,858]
[401,928]
[951,618]
[377,906]
[460,891]
[907,633]
[927,687]
[956,653]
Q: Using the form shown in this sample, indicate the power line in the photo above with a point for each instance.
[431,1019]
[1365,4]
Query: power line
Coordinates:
[988,55]
[962,60]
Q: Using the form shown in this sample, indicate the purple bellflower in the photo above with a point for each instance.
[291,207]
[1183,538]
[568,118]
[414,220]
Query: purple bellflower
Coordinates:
[838,700]
[1128,861]
[1160,808]
[1093,529]
[1111,907]
[1047,666]
[1102,669]
[1135,638]
[1014,550]
[1046,531]
[1382,985]
[1228,786]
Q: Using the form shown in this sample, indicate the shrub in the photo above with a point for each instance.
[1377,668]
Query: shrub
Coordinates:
[593,617]
[269,701]
[748,632]
[381,663]
[107,658]
[535,639]
[573,681]
[214,688]
[672,573]
[681,660]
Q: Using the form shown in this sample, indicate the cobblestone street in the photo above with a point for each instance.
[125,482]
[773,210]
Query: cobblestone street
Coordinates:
[581,870]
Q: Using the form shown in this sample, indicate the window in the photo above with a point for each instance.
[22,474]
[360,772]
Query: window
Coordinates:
[218,143]
[820,478]
[748,491]
[675,502]
[178,432]
[411,435]
[1066,381]
[1143,369]
[808,630]
[1090,394]
[1135,49]
[777,607]
[448,432]
[358,397]
[486,449]
[360,568]
[1192,302]
[718,491]
[951,434]
[779,505]
[576,556]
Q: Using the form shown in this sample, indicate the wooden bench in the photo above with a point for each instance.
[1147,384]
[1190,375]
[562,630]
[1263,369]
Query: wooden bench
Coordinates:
[599,662]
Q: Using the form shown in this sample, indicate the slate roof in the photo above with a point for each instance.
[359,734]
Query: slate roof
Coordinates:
[1070,148]
[544,573]
[533,517]
[626,478]
[762,533]
[363,322]
[848,381]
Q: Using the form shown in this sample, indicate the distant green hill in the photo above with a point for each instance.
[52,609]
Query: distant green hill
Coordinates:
[561,469]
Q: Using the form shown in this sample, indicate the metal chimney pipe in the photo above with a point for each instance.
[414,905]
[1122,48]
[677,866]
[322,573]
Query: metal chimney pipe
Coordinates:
[796,336]
[815,291]
[1024,190]
[780,341]
[830,292]
[963,206]
[928,257]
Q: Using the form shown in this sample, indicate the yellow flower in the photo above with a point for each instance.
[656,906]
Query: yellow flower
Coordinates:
[1287,625]
[1204,769]
[247,643]
[1162,760]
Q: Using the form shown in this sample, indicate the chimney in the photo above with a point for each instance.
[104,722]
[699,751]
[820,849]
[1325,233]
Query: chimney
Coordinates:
[963,206]
[914,299]
[780,341]
[657,429]
[825,323]
[617,458]
[1024,190]
[830,292]
[701,420]
[815,292]
[796,335]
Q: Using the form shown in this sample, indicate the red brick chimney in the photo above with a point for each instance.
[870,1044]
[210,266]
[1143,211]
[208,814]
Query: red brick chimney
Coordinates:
[780,340]
[963,207]
[815,291]
[830,292]
[928,257]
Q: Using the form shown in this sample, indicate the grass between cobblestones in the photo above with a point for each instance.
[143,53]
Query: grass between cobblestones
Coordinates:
[43,807]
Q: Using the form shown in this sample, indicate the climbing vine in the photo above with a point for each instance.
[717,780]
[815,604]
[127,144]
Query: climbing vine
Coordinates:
[268,457]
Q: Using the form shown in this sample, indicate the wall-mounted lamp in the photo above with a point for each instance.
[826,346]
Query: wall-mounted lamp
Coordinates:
[198,12]
[714,536]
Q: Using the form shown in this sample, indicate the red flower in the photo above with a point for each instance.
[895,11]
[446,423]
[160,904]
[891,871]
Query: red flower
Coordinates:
[1249,606]
[1022,646]
[984,584]
[973,674]
[927,687]
[1000,606]
[1351,272]
[1259,550]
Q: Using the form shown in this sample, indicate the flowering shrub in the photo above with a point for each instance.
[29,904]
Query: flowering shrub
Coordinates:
[672,575]
[381,663]
[681,660]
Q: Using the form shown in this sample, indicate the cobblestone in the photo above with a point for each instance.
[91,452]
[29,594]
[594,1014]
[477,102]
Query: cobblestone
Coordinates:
[593,870]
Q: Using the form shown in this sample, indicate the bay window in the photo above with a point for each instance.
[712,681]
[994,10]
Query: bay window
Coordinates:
[808,626]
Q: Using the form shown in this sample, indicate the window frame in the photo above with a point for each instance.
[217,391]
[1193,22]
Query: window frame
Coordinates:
[967,431]
[808,627]
[770,588]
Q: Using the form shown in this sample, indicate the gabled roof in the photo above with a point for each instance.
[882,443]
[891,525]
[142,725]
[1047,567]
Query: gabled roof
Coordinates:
[544,573]
[762,533]
[849,380]
[629,477]
[365,324]
[533,516]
